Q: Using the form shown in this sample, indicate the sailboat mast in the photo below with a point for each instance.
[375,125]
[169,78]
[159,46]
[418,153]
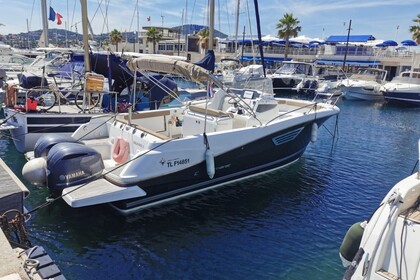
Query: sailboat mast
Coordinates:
[237,26]
[45,22]
[85,27]
[211,25]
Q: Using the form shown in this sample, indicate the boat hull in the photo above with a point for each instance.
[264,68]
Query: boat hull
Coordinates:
[361,94]
[259,156]
[403,98]
[30,126]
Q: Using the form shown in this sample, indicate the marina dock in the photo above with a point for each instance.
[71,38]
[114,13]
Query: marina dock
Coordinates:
[18,262]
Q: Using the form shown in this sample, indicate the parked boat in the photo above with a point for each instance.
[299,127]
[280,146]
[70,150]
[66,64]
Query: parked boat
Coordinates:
[329,81]
[293,75]
[28,119]
[226,69]
[404,89]
[144,158]
[386,246]
[365,85]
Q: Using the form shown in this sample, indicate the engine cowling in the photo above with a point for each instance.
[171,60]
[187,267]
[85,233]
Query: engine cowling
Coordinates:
[65,165]
[47,141]
[71,164]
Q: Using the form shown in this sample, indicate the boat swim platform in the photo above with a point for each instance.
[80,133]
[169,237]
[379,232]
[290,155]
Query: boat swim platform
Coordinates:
[12,260]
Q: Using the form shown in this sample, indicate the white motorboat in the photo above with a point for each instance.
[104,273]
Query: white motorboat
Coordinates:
[403,89]
[293,75]
[144,158]
[365,85]
[227,69]
[386,246]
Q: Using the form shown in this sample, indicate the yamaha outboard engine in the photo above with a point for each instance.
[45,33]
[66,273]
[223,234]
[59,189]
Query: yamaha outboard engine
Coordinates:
[47,141]
[71,164]
[65,165]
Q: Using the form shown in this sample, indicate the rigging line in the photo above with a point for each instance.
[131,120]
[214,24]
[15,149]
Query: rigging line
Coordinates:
[404,225]
[288,112]
[48,128]
[250,33]
[414,168]
[335,138]
[192,12]
[8,136]
[72,17]
[50,201]
[105,16]
[228,18]
[218,14]
[161,86]
[5,120]
[113,116]
[32,12]
[131,25]
[132,18]
[97,9]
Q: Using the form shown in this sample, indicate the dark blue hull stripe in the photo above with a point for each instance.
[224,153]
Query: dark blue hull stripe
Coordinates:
[253,158]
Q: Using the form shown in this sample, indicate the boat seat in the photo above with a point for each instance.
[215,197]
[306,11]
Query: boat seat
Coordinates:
[217,100]
[209,111]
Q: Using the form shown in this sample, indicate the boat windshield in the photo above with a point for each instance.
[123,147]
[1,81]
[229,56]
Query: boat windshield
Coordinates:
[294,68]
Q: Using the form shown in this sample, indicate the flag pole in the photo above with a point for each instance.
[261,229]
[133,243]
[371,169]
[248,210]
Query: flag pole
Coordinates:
[45,22]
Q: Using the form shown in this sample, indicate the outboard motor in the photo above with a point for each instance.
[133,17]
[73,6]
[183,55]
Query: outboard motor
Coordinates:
[66,165]
[47,141]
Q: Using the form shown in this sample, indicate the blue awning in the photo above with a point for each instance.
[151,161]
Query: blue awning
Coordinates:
[352,38]
[350,63]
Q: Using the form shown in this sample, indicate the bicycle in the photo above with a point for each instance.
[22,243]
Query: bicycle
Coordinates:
[49,96]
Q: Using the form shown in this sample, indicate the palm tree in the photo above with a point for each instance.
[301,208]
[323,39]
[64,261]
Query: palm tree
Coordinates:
[415,29]
[288,27]
[154,36]
[116,37]
[203,40]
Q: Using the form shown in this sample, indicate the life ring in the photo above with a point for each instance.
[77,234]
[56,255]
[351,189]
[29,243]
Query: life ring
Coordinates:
[120,151]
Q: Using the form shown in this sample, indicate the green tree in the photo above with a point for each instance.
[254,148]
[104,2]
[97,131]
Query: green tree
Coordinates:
[288,28]
[154,36]
[203,39]
[115,37]
[415,29]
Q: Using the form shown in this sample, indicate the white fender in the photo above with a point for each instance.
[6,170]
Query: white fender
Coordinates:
[210,163]
[314,132]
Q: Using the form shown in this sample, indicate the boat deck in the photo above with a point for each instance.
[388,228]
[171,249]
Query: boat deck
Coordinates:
[387,275]
[414,216]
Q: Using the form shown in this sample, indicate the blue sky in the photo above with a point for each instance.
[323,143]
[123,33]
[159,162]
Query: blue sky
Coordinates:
[318,19]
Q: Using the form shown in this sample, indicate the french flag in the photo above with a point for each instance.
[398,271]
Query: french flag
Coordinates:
[54,15]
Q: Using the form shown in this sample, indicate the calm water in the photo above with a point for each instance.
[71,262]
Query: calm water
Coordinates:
[285,225]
